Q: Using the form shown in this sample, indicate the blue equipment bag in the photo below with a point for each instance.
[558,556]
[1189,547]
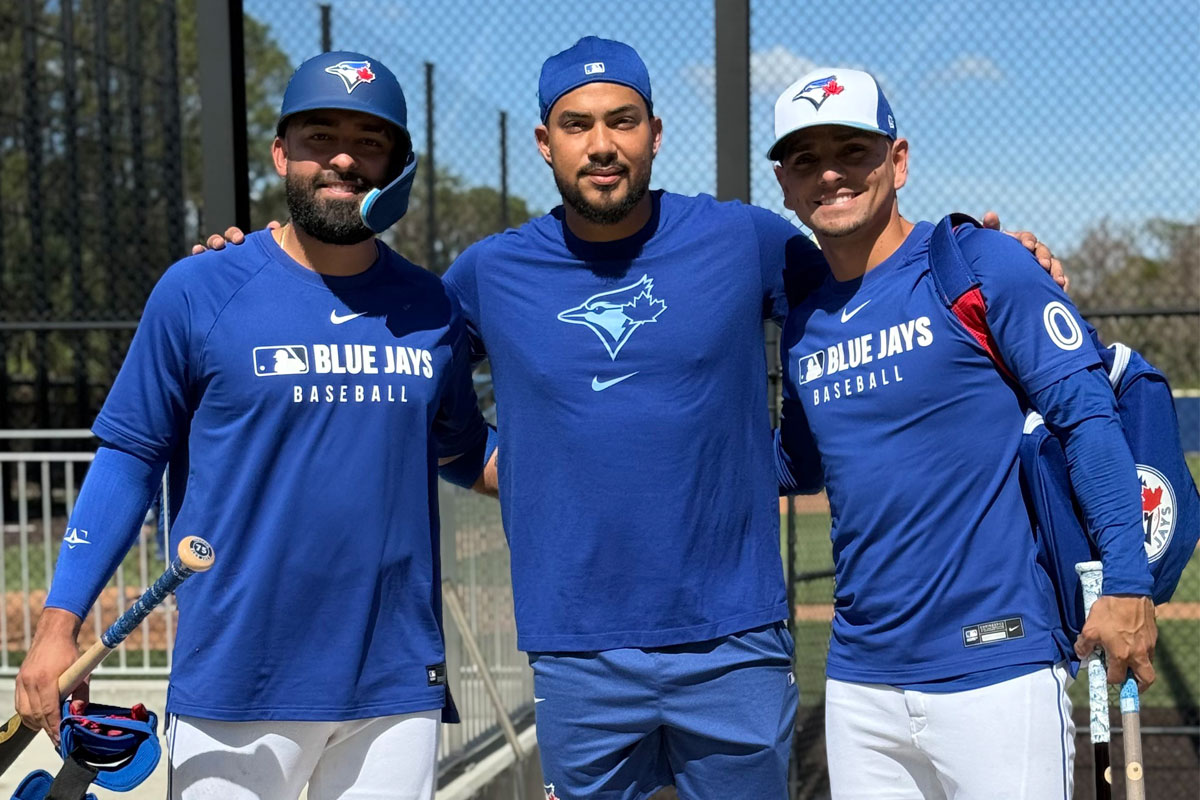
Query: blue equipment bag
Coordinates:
[1170,503]
[36,786]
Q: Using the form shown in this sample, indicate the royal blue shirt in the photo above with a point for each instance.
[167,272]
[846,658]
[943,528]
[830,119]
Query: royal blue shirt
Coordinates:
[937,583]
[310,406]
[635,454]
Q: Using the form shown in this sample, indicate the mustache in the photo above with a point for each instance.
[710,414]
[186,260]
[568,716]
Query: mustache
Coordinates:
[611,168]
[328,177]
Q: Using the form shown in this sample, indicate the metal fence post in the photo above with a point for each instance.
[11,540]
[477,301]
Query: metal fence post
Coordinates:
[71,210]
[732,23]
[32,140]
[326,27]
[431,259]
[223,124]
[106,177]
[172,166]
[503,170]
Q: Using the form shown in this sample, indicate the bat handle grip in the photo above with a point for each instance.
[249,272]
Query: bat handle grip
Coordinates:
[168,582]
[1091,578]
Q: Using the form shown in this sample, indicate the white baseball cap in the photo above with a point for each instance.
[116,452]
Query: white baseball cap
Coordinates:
[832,96]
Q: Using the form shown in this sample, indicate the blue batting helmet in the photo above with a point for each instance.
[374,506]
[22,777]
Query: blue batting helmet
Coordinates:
[355,82]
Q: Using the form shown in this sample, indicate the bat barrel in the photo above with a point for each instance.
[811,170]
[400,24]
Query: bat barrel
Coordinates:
[1131,725]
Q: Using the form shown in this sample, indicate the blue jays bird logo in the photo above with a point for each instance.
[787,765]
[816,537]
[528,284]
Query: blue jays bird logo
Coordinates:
[820,90]
[352,73]
[613,316]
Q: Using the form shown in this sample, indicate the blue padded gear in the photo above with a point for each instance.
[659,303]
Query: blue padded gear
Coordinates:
[123,761]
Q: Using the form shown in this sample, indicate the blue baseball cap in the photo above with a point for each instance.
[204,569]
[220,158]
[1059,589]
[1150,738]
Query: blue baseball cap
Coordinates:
[356,82]
[592,60]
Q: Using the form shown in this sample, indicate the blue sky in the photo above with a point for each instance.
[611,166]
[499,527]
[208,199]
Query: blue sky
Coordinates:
[1055,114]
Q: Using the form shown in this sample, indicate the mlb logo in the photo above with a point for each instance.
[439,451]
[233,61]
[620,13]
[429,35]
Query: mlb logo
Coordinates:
[811,367]
[595,68]
[282,359]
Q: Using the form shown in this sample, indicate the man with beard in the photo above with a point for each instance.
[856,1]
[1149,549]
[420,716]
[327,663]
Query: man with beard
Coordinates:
[317,379]
[636,472]
[625,336]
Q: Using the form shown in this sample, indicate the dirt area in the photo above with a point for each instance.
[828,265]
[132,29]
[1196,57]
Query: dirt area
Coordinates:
[155,627]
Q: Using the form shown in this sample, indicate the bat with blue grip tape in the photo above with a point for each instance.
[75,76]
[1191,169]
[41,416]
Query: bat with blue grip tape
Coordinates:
[1091,577]
[193,555]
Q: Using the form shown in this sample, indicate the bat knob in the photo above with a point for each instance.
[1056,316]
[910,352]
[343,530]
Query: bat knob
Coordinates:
[195,554]
[1133,771]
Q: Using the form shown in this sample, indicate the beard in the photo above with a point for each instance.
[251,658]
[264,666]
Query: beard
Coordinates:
[332,221]
[612,211]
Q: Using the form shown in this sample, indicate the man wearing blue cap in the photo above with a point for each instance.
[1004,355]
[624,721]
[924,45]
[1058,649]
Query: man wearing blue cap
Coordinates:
[625,336]
[948,662]
[316,379]
[625,333]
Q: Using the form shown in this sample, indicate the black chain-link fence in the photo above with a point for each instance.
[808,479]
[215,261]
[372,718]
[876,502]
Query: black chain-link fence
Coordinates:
[1072,120]
[92,193]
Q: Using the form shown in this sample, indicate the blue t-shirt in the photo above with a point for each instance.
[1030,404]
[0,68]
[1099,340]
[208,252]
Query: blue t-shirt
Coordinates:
[309,405]
[635,454]
[936,577]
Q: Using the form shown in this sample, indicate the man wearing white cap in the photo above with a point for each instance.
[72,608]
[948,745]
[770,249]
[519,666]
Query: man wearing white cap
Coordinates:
[625,331]
[948,663]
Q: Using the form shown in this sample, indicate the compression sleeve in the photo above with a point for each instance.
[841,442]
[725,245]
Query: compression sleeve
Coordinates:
[107,516]
[1081,411]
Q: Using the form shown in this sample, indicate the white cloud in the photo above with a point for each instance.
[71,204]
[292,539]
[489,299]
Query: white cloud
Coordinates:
[966,67]
[771,71]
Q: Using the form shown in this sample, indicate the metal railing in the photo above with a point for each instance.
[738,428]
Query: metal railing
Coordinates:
[38,488]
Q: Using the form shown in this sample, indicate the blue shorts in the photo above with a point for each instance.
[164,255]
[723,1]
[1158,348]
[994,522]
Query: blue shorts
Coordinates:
[714,718]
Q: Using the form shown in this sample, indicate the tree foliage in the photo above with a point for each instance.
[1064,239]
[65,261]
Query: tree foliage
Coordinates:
[101,184]
[1121,272]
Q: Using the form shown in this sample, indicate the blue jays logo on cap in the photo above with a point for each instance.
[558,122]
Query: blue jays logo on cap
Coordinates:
[352,73]
[820,90]
[613,316]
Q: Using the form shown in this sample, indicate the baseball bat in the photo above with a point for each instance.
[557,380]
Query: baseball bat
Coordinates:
[1091,577]
[1131,734]
[194,555]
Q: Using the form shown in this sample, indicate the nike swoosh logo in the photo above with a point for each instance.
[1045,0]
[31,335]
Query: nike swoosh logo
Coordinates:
[338,320]
[599,385]
[846,316]
[539,699]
